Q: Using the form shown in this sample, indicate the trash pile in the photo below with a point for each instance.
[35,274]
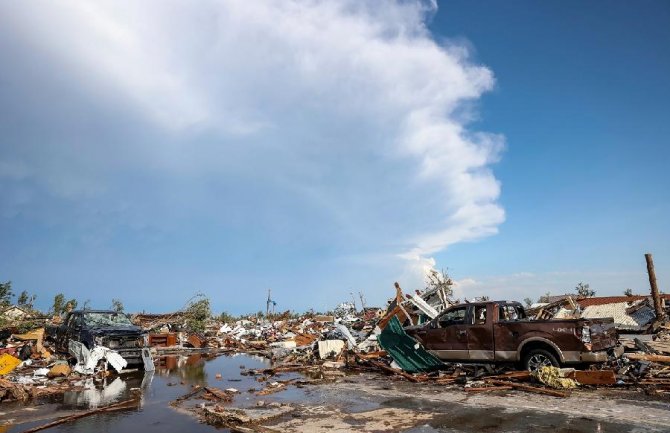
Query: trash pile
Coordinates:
[28,369]
[30,366]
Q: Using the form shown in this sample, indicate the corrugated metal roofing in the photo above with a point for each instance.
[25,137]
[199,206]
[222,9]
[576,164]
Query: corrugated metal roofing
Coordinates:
[402,348]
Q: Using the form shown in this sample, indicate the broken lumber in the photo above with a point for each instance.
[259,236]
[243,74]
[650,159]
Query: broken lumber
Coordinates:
[387,369]
[372,355]
[126,404]
[647,357]
[490,388]
[218,393]
[518,375]
[593,377]
[196,389]
[528,388]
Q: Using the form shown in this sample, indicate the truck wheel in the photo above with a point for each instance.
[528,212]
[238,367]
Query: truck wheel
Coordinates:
[537,358]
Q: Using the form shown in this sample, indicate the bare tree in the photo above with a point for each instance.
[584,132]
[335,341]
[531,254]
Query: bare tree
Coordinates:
[584,290]
[117,305]
[436,280]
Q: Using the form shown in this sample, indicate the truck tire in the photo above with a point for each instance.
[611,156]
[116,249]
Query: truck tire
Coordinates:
[536,358]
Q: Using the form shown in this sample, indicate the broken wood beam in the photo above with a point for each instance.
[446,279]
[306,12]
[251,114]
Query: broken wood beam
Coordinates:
[218,393]
[387,369]
[127,404]
[593,377]
[196,389]
[373,355]
[655,294]
[490,388]
[647,357]
[518,375]
[528,388]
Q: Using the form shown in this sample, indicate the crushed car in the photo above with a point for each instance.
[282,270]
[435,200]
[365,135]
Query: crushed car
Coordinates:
[100,328]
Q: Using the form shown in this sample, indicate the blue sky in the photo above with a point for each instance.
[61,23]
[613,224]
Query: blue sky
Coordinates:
[318,149]
[582,99]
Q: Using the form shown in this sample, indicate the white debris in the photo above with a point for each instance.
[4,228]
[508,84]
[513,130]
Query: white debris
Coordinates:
[87,360]
[147,359]
[423,306]
[328,348]
[289,344]
[41,372]
[345,332]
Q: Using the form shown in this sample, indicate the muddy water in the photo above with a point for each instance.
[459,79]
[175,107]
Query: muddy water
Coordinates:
[174,377]
[358,403]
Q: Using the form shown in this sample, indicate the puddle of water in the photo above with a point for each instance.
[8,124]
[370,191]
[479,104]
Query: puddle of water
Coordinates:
[174,377]
[455,418]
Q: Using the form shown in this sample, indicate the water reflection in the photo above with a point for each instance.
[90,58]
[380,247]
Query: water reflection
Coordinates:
[174,376]
[189,368]
[95,395]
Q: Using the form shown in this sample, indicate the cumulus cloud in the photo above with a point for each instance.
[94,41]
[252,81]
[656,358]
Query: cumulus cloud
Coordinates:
[333,125]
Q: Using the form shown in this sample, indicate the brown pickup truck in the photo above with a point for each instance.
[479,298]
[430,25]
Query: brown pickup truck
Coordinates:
[500,332]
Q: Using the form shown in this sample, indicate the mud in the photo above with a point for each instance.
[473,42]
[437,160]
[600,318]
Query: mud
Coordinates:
[362,403]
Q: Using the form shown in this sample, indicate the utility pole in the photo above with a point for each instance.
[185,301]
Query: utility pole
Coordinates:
[362,300]
[353,301]
[267,305]
[655,295]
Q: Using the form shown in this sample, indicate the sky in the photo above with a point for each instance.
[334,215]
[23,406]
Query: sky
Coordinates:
[150,151]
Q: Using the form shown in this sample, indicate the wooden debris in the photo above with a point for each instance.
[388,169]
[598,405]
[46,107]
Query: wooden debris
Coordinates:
[127,404]
[196,389]
[271,390]
[517,375]
[218,393]
[593,377]
[528,388]
[647,357]
[490,388]
[250,418]
[387,369]
[372,355]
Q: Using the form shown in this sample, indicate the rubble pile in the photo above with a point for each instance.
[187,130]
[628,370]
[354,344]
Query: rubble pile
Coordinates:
[325,347]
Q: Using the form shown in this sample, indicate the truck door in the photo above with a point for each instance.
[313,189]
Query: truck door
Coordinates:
[449,339]
[507,331]
[480,333]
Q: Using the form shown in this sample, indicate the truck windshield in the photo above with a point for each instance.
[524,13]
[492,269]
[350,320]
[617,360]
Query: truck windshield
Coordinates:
[99,320]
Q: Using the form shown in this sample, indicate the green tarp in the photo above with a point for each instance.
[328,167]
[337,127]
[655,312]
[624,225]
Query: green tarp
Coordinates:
[405,350]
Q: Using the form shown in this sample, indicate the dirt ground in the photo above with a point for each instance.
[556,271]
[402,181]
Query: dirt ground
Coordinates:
[376,404]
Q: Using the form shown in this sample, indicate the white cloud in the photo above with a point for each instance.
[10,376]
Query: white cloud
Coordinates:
[345,117]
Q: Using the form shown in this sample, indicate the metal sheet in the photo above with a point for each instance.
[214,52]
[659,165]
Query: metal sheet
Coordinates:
[406,351]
